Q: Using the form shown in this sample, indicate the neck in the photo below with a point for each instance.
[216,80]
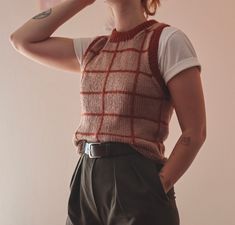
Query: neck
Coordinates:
[127,16]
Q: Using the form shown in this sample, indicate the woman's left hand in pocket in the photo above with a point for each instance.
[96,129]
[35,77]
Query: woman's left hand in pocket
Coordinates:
[166,189]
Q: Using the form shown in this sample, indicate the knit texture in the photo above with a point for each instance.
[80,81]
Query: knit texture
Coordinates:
[123,95]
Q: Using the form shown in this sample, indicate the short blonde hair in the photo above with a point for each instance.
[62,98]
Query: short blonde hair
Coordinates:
[150,4]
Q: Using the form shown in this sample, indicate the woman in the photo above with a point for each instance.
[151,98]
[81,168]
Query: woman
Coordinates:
[131,81]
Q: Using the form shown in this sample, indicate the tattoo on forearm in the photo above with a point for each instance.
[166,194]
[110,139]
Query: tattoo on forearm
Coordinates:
[185,140]
[43,14]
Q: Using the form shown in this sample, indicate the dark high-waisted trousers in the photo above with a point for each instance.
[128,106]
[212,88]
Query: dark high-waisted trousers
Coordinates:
[119,190]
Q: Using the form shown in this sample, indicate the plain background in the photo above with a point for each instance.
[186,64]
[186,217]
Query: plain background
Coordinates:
[40,109]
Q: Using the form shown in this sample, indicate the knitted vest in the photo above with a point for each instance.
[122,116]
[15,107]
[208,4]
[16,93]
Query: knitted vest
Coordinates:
[123,95]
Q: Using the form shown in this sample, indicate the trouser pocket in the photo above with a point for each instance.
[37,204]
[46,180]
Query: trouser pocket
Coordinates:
[170,195]
[149,170]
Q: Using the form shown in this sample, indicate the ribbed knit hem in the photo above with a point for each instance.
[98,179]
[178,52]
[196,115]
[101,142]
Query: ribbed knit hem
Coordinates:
[116,36]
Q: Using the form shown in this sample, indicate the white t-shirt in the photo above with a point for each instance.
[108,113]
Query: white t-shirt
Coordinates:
[175,52]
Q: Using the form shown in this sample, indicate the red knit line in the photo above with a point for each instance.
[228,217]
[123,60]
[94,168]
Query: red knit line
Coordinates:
[117,135]
[83,74]
[103,94]
[89,49]
[116,36]
[96,39]
[125,50]
[120,92]
[153,55]
[94,72]
[124,116]
[111,134]
[86,52]
[93,51]
[134,90]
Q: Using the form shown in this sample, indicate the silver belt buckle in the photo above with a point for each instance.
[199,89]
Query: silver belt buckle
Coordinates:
[96,143]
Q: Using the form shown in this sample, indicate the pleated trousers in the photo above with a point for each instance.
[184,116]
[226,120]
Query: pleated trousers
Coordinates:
[120,190]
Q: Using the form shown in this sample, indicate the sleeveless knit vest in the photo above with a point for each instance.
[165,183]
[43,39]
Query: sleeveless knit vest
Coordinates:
[123,95]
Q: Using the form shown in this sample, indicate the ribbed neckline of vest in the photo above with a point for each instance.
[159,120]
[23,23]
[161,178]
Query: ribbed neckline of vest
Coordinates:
[116,36]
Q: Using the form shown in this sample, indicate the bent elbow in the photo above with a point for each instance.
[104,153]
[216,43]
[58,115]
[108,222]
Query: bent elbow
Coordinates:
[16,42]
[203,134]
[197,136]
[13,42]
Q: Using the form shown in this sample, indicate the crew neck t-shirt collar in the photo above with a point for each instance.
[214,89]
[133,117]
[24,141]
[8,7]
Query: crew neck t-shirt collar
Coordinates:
[116,36]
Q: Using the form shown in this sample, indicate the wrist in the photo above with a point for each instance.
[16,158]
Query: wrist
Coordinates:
[79,3]
[85,2]
[167,185]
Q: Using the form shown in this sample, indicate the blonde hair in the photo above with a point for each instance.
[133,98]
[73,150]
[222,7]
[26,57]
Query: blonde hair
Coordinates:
[150,4]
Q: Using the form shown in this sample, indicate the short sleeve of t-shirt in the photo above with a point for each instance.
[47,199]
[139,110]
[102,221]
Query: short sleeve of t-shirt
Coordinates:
[175,52]
[80,45]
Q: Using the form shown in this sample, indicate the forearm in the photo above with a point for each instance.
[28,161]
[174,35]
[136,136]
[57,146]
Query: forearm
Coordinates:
[180,158]
[41,26]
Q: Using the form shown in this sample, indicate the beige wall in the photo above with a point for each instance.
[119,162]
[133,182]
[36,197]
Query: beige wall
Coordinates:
[40,111]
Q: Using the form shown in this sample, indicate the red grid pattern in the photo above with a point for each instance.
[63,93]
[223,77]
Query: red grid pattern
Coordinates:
[123,95]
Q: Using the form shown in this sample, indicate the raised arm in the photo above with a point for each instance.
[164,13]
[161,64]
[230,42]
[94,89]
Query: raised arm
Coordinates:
[33,39]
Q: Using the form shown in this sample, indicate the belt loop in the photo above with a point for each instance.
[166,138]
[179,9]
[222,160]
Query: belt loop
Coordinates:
[83,144]
[80,146]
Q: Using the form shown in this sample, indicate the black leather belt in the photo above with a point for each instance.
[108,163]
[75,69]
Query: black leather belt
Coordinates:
[106,149]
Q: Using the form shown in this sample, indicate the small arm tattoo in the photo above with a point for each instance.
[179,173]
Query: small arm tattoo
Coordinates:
[185,140]
[43,14]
